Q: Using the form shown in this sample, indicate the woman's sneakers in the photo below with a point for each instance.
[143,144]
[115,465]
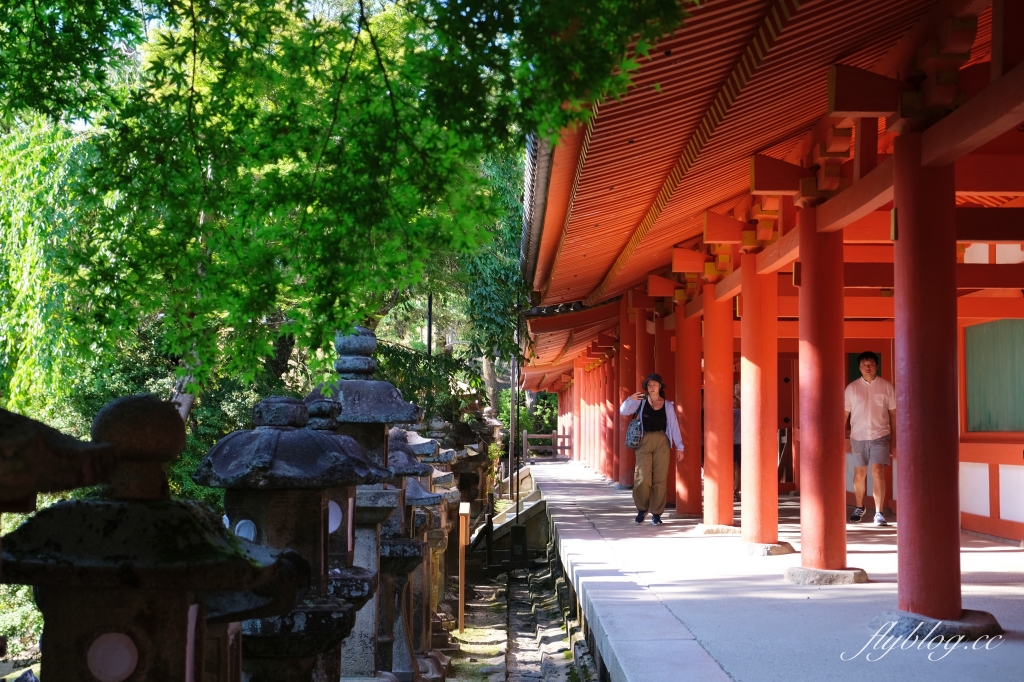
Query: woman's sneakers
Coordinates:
[641,515]
[880,519]
[855,517]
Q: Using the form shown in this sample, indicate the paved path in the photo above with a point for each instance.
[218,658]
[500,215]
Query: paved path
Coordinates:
[667,605]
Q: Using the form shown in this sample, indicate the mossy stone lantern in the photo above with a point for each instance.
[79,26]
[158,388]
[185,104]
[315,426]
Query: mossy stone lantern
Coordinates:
[359,406]
[276,479]
[126,582]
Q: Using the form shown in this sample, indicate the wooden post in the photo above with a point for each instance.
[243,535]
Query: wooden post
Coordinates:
[759,405]
[526,446]
[718,423]
[664,364]
[927,435]
[463,542]
[823,498]
[627,385]
[688,411]
[577,409]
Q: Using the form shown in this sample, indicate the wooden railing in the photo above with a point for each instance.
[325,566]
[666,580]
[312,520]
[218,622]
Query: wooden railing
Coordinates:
[555,448]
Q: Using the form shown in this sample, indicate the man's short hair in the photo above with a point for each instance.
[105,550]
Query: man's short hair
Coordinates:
[867,355]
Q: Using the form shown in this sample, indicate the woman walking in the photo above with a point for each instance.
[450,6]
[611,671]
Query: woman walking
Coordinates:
[660,433]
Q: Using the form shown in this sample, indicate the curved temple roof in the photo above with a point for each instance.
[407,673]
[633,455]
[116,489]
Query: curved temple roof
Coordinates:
[740,78]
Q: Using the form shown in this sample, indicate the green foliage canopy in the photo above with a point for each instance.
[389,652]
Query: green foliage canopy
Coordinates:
[442,384]
[271,161]
[39,221]
[60,57]
[277,168]
[495,286]
[501,66]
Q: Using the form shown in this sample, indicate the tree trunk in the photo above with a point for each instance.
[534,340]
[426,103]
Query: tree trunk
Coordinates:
[491,382]
[181,399]
[277,364]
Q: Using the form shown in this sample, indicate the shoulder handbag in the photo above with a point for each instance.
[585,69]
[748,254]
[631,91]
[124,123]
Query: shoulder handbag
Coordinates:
[636,428]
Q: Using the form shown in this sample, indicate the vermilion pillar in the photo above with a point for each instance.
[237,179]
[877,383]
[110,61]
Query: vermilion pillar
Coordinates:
[601,387]
[595,414]
[927,422]
[586,417]
[601,433]
[577,408]
[627,385]
[664,364]
[613,401]
[718,468]
[663,361]
[584,414]
[609,419]
[599,430]
[759,370]
[688,383]
[822,459]
[644,350]
[589,430]
[561,413]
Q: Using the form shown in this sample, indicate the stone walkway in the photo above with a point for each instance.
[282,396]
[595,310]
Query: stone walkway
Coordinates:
[484,642]
[539,648]
[666,605]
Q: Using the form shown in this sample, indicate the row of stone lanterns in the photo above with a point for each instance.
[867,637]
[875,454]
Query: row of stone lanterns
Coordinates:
[327,565]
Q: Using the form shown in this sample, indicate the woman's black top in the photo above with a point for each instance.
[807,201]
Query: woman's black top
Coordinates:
[654,420]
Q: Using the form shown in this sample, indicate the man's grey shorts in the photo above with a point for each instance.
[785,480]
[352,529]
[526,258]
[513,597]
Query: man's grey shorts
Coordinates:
[871,451]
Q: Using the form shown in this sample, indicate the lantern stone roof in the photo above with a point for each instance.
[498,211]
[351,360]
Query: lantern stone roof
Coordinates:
[156,545]
[37,458]
[417,444]
[417,496]
[401,462]
[357,398]
[364,402]
[278,454]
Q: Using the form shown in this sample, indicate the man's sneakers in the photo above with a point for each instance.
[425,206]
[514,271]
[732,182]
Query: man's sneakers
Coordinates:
[640,515]
[858,513]
[656,519]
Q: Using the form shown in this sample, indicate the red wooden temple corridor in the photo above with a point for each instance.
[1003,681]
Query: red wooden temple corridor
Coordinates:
[790,183]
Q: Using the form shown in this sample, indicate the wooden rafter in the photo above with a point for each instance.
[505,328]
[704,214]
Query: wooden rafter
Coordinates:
[587,136]
[565,349]
[775,21]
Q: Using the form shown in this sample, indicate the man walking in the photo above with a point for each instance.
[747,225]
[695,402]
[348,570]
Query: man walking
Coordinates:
[871,409]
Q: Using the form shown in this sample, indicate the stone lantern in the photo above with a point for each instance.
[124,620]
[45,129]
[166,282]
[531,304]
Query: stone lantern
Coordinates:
[127,581]
[435,518]
[425,511]
[277,479]
[358,406]
[35,458]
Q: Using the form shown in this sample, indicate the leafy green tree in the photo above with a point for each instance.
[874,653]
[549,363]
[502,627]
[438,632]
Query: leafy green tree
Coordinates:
[267,147]
[39,222]
[442,384]
[267,157]
[505,66]
[62,57]
[495,284]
